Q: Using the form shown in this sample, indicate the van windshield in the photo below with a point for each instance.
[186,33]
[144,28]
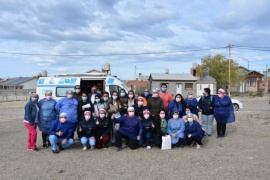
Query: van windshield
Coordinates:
[61,91]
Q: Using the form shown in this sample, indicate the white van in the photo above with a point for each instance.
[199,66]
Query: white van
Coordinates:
[59,84]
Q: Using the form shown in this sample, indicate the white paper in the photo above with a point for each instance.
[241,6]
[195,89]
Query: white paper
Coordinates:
[117,115]
[166,142]
[86,106]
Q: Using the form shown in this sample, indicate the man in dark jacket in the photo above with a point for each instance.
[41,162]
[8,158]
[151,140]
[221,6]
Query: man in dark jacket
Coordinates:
[206,104]
[60,132]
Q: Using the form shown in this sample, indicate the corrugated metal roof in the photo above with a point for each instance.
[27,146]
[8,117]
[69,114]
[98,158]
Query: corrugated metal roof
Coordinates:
[172,77]
[206,79]
[16,81]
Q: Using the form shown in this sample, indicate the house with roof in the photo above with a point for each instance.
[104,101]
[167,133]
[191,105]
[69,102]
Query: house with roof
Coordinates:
[19,83]
[176,82]
[254,81]
[206,82]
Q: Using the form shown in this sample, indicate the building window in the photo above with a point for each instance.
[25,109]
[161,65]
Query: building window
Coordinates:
[251,82]
[188,86]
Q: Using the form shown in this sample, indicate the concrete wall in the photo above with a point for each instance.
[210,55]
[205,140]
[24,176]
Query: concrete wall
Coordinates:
[200,88]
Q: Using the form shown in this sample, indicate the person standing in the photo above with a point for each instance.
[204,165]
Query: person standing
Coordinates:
[155,104]
[91,96]
[192,103]
[60,132]
[97,106]
[206,104]
[176,129]
[165,96]
[69,105]
[178,104]
[146,95]
[105,99]
[47,114]
[139,107]
[86,105]
[131,101]
[31,120]
[223,111]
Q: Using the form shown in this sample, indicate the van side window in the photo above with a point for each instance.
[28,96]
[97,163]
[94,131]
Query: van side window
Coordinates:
[114,88]
[61,91]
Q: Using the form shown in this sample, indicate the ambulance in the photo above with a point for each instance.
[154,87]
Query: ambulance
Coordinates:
[60,84]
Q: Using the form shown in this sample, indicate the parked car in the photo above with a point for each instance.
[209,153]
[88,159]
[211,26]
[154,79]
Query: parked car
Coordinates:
[236,103]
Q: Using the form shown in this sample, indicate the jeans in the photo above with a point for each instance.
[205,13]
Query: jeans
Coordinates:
[32,135]
[54,140]
[145,137]
[90,140]
[207,123]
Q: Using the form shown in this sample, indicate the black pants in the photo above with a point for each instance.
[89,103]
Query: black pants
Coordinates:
[221,129]
[197,139]
[132,143]
[45,138]
[158,141]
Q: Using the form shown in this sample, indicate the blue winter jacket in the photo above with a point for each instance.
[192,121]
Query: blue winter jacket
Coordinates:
[68,106]
[222,109]
[65,128]
[30,112]
[195,129]
[130,126]
[192,104]
[47,113]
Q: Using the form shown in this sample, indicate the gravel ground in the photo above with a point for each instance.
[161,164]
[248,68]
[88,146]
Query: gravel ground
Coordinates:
[243,154]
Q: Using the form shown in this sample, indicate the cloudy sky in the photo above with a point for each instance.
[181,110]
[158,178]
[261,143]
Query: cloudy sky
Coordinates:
[68,36]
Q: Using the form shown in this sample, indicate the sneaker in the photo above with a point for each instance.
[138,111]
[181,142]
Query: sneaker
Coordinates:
[208,134]
[45,146]
[36,149]
[181,146]
[218,136]
[84,148]
[60,147]
[55,151]
[198,146]
[105,146]
[118,149]
[92,147]
[222,136]
[148,147]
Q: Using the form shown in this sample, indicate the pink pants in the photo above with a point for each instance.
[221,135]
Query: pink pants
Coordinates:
[32,135]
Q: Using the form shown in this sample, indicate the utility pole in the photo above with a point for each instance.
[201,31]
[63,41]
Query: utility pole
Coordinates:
[266,84]
[229,83]
[135,73]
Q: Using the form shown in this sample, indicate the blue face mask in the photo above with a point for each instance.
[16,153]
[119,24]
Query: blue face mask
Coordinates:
[122,94]
[187,112]
[34,99]
[163,89]
[114,97]
[146,93]
[105,99]
[97,100]
[84,98]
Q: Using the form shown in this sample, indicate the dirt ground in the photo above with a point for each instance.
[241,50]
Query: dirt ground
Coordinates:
[243,154]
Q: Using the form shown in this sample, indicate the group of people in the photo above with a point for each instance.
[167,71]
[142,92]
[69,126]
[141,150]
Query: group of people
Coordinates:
[140,122]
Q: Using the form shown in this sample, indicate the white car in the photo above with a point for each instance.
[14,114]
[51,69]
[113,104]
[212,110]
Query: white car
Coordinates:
[236,103]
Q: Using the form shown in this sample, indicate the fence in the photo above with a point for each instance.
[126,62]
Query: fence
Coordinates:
[15,94]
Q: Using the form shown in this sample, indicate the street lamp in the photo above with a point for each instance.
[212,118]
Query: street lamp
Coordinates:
[246,60]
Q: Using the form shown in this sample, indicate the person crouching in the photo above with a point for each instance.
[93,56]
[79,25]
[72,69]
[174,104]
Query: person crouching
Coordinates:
[103,125]
[86,130]
[60,133]
[148,128]
[193,131]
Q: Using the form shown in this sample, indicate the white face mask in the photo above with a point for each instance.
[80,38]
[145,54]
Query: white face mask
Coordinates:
[87,118]
[77,90]
[175,116]
[178,99]
[190,96]
[131,114]
[162,116]
[101,115]
[140,103]
[190,120]
[48,97]
[62,120]
[220,95]
[146,116]
[155,95]
[130,96]
[69,96]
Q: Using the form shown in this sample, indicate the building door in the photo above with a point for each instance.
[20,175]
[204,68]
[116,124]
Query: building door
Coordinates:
[178,88]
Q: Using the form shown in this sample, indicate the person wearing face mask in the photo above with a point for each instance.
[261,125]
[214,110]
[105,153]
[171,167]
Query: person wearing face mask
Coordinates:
[103,125]
[116,105]
[91,96]
[165,96]
[47,113]
[98,105]
[31,120]
[130,101]
[192,103]
[69,105]
[105,100]
[178,104]
[148,128]
[146,95]
[131,128]
[193,132]
[161,125]
[60,132]
[188,112]
[176,129]
[224,112]
[85,105]
[206,104]
[87,130]
[155,104]
[139,107]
